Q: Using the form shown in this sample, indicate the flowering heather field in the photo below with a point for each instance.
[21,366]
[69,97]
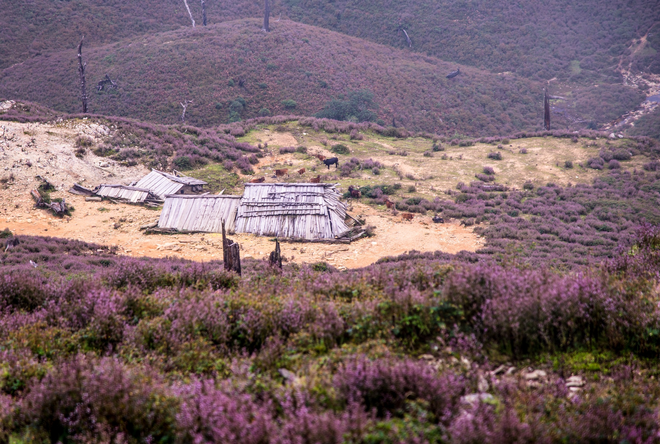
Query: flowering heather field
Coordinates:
[101,348]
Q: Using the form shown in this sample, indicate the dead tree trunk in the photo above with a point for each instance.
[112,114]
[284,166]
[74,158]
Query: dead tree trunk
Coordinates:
[203,12]
[81,71]
[546,110]
[185,104]
[189,13]
[267,16]
[231,253]
[407,38]
[275,259]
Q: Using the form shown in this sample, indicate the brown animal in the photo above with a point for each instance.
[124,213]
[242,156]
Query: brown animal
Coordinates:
[259,180]
[355,192]
[321,157]
[389,204]
[407,216]
[316,179]
[301,171]
[284,172]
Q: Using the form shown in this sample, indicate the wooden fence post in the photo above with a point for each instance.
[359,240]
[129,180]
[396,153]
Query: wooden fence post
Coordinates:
[231,253]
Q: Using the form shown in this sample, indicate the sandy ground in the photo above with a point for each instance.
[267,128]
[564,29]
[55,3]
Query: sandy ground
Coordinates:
[47,150]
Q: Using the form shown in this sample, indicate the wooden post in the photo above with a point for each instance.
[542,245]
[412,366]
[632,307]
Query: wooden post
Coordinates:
[203,12]
[275,259]
[81,71]
[231,253]
[546,110]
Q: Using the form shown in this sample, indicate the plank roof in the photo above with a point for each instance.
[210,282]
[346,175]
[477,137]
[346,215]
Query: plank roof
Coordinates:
[292,210]
[163,184]
[199,213]
[127,193]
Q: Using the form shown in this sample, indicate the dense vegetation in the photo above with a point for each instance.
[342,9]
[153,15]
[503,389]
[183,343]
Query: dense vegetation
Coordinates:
[97,347]
[581,41]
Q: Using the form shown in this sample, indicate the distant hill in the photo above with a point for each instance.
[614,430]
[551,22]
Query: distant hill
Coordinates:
[582,41]
[236,70]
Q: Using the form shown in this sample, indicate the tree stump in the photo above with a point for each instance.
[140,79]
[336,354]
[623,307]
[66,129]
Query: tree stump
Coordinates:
[275,259]
[231,253]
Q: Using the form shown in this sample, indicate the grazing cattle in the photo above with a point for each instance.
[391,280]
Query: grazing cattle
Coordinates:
[316,179]
[453,74]
[301,171]
[259,180]
[330,161]
[283,172]
[389,204]
[438,220]
[407,216]
[321,157]
[354,192]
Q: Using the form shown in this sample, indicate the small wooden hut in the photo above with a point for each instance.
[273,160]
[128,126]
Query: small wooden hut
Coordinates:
[292,210]
[163,184]
[128,194]
[199,213]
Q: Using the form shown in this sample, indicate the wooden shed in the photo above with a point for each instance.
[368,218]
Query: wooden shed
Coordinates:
[163,184]
[199,213]
[292,210]
[127,194]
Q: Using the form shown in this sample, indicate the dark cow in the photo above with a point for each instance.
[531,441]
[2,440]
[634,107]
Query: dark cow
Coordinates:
[451,75]
[259,180]
[438,220]
[332,160]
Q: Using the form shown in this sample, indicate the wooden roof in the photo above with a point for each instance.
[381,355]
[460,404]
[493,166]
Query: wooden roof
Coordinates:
[292,210]
[163,184]
[199,213]
[123,192]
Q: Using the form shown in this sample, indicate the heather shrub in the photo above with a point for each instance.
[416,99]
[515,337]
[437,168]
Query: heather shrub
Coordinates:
[596,163]
[287,150]
[528,185]
[613,164]
[495,155]
[568,164]
[622,154]
[84,398]
[22,291]
[653,165]
[387,386]
[484,177]
[488,170]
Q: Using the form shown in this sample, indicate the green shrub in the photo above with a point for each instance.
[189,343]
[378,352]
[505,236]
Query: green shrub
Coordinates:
[289,104]
[340,149]
[264,112]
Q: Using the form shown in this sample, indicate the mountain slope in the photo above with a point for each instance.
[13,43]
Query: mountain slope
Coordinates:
[235,68]
[582,41]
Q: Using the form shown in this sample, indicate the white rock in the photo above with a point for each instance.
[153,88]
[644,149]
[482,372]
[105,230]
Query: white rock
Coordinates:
[535,375]
[575,381]
[498,370]
[475,398]
[426,357]
[482,385]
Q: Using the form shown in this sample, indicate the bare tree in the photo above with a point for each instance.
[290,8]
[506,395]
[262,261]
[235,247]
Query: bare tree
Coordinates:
[204,12]
[407,38]
[185,2]
[266,15]
[546,110]
[185,104]
[81,71]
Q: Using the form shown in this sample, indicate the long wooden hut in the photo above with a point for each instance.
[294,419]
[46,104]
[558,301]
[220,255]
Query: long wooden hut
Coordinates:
[163,184]
[292,210]
[199,213]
